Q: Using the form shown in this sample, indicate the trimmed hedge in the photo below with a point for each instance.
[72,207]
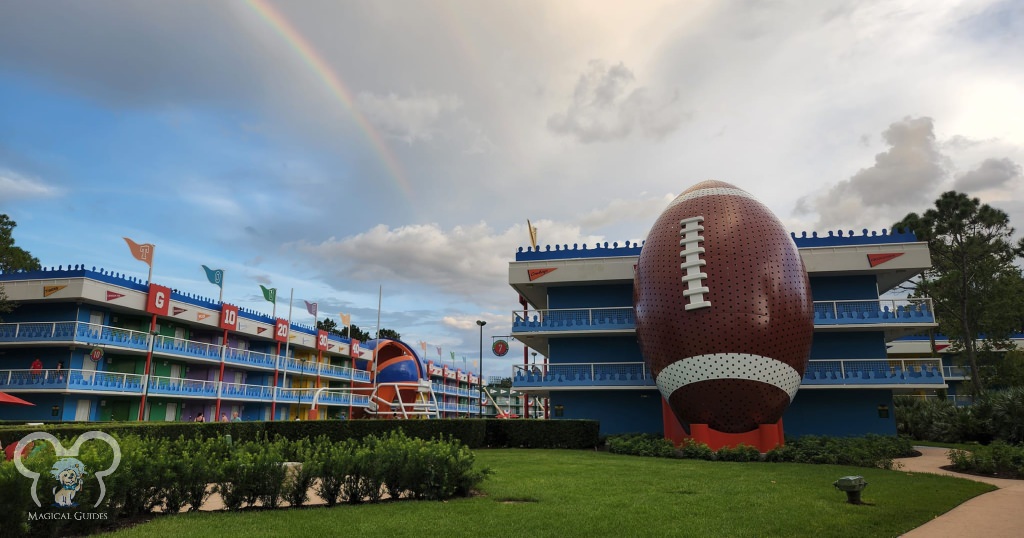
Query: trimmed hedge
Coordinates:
[868,451]
[474,433]
[997,459]
[245,474]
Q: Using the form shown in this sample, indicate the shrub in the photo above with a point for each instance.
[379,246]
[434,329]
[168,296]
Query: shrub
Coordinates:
[739,453]
[641,444]
[997,458]
[693,450]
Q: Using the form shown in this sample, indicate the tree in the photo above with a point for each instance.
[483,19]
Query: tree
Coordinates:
[976,290]
[358,334]
[12,258]
[330,326]
[389,333]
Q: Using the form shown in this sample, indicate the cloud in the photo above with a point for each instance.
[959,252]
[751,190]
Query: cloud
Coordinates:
[603,108]
[15,186]
[904,176]
[992,173]
[619,209]
[408,119]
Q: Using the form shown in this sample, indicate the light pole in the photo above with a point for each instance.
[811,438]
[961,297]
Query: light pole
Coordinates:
[527,404]
[481,323]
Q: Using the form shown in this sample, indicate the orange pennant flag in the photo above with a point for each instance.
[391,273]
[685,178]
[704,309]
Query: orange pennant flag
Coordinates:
[143,252]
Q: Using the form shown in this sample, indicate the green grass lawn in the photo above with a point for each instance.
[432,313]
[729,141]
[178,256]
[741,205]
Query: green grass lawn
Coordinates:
[581,493]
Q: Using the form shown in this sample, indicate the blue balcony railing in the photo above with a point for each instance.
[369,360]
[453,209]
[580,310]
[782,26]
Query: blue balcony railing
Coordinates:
[839,372]
[574,319]
[69,381]
[876,311]
[186,388]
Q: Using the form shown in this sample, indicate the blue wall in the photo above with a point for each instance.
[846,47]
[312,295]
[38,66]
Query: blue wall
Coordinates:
[848,288]
[594,349]
[620,411]
[848,345]
[839,413]
[42,312]
[591,296]
[41,411]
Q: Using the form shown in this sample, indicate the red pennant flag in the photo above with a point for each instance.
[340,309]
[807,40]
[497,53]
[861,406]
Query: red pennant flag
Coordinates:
[879,259]
[537,273]
[179,310]
[259,330]
[111,295]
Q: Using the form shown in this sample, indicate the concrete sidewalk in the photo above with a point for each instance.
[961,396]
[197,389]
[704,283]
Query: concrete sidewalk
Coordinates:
[992,515]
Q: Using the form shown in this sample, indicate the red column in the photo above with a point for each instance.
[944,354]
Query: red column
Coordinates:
[273,403]
[216,414]
[149,364]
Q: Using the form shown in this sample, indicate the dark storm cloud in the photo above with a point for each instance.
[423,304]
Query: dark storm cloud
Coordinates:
[992,173]
[906,174]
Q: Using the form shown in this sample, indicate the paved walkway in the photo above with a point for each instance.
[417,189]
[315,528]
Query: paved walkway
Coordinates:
[992,515]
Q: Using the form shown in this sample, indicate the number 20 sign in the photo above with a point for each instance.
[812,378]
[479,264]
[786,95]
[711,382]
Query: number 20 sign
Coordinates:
[281,330]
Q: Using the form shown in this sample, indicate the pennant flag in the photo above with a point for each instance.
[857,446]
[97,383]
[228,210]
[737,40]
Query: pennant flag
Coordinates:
[439,352]
[179,310]
[311,308]
[453,355]
[269,294]
[533,234]
[346,319]
[201,316]
[215,276]
[143,252]
[423,346]
[50,290]
[879,259]
[537,273]
[259,330]
[111,295]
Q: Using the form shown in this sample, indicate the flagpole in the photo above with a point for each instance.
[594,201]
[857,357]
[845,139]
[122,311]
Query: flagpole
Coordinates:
[288,341]
[380,294]
[221,298]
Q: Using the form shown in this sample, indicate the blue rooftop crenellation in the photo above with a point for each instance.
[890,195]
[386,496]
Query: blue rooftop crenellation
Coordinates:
[563,252]
[837,238]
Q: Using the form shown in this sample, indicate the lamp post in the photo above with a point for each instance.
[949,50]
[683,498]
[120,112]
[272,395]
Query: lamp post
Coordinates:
[481,323]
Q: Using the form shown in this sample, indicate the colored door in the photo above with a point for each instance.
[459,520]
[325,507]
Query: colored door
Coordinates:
[82,410]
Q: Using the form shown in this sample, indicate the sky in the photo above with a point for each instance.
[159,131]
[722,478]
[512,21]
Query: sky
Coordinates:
[341,148]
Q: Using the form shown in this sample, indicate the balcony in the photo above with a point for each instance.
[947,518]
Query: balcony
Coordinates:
[874,312]
[252,359]
[839,373]
[864,373]
[64,332]
[179,347]
[575,319]
[326,397]
[184,388]
[70,381]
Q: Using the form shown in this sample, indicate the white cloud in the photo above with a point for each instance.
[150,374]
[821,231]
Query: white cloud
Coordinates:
[15,186]
[409,119]
[603,108]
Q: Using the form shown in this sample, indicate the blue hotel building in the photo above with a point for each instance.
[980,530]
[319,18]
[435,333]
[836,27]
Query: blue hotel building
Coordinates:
[78,344]
[578,312]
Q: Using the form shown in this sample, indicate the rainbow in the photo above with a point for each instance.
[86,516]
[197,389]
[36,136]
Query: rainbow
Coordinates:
[334,84]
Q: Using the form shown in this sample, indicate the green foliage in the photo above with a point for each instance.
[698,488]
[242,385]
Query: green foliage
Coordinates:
[641,444]
[692,450]
[877,451]
[975,286]
[157,473]
[995,415]
[740,452]
[571,434]
[12,258]
[475,433]
[998,458]
[388,333]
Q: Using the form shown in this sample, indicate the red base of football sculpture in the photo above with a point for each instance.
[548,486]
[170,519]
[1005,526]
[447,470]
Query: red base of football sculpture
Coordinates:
[764,438]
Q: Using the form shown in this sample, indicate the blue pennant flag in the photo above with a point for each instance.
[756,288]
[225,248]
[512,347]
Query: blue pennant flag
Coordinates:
[216,276]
